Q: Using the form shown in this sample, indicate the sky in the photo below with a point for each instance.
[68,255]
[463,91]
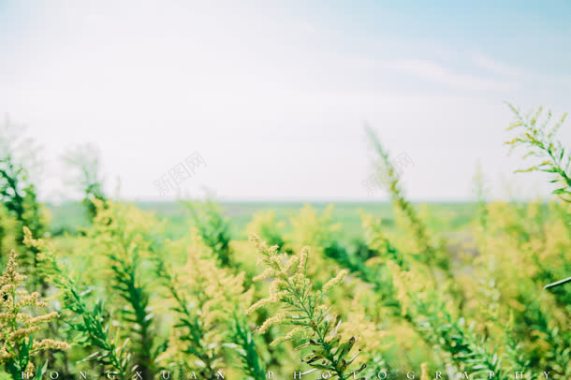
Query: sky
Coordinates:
[273,95]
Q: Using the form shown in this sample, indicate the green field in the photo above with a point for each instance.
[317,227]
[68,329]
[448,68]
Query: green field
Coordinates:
[444,217]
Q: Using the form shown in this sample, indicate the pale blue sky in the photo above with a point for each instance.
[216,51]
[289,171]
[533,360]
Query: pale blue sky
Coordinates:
[274,94]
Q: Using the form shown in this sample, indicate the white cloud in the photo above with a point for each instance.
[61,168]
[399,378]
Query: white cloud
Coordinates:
[496,67]
[441,75]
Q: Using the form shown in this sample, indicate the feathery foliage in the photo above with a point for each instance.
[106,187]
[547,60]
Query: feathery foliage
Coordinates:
[21,325]
[90,322]
[390,177]
[213,227]
[266,225]
[243,338]
[306,309]
[18,197]
[537,134]
[191,334]
[430,313]
[123,241]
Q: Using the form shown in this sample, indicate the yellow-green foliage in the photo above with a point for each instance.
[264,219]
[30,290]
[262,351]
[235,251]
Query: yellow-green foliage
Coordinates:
[266,225]
[306,310]
[131,302]
[214,229]
[88,319]
[314,229]
[209,302]
[8,232]
[537,134]
[22,322]
[121,233]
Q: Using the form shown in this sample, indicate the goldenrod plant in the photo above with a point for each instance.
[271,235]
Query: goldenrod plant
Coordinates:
[389,176]
[19,200]
[23,321]
[9,227]
[306,311]
[536,132]
[319,231]
[120,233]
[313,228]
[18,192]
[266,225]
[244,340]
[429,312]
[190,336]
[213,227]
[89,320]
[221,298]
[210,315]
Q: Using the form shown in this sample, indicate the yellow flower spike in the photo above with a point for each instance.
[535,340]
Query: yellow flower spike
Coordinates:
[305,310]
[334,281]
[289,336]
[258,305]
[291,266]
[50,344]
[17,323]
[264,275]
[272,321]
[424,372]
[303,259]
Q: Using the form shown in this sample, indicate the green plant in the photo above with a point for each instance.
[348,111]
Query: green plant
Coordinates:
[91,323]
[426,308]
[122,241]
[19,198]
[266,225]
[17,190]
[191,333]
[538,136]
[558,283]
[481,193]
[241,335]
[138,315]
[20,322]
[305,309]
[209,316]
[315,229]
[8,232]
[389,176]
[547,334]
[213,227]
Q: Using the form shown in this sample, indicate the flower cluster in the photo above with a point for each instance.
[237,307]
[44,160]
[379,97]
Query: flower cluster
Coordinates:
[21,322]
[307,311]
